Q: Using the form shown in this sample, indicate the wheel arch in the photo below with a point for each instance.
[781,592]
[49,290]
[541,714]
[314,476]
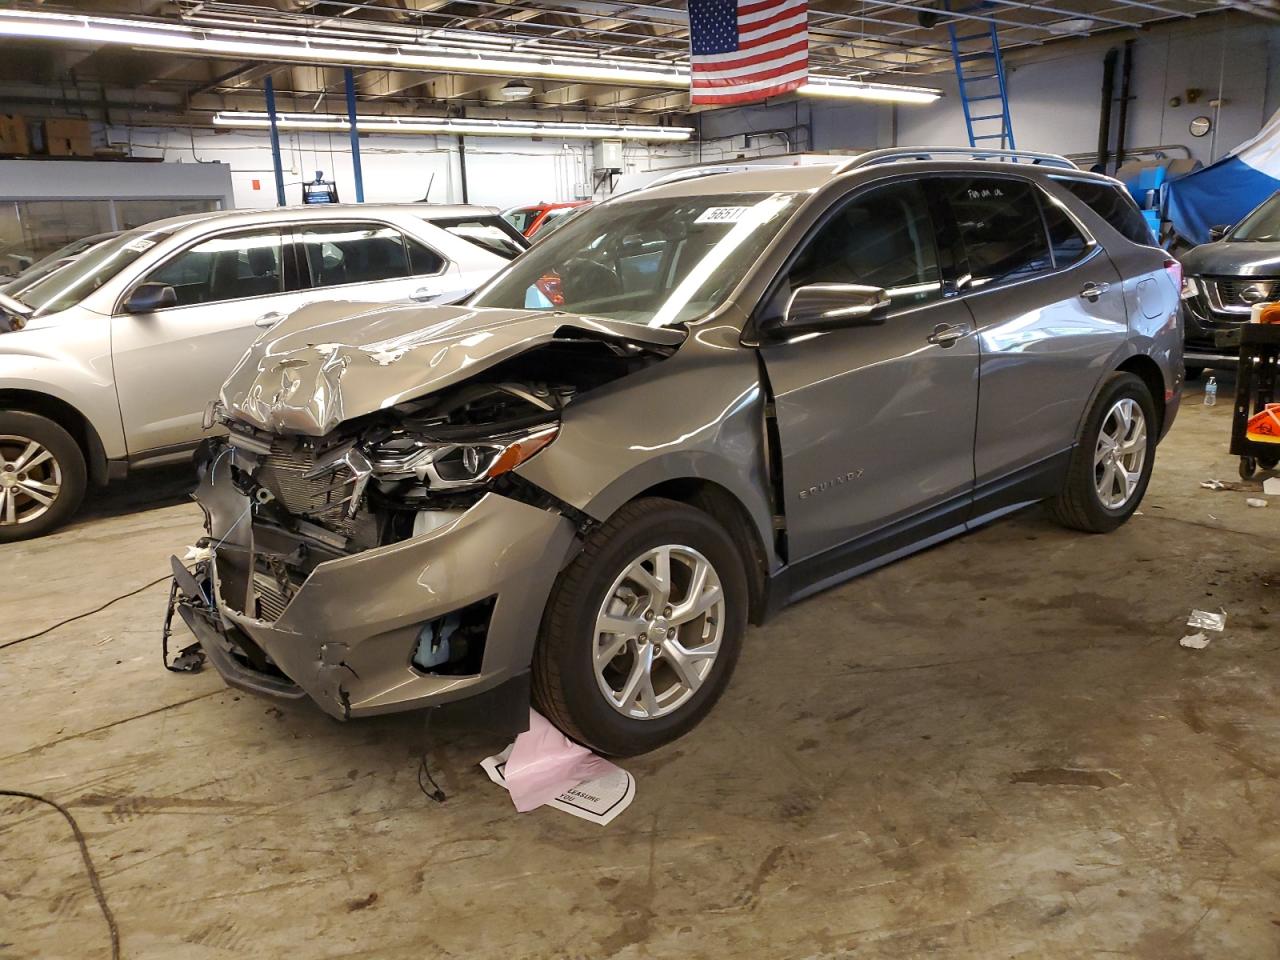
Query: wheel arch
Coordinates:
[67,417]
[731,513]
[1149,372]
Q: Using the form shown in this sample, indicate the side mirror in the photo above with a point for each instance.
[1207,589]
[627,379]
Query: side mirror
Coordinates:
[831,306]
[150,297]
[1219,231]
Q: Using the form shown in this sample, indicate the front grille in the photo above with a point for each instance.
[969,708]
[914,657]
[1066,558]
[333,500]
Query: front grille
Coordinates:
[1239,294]
[321,499]
[271,602]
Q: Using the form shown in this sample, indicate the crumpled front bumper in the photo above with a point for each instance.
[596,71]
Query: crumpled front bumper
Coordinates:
[347,636]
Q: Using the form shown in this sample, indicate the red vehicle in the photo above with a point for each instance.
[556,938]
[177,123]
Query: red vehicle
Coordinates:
[529,220]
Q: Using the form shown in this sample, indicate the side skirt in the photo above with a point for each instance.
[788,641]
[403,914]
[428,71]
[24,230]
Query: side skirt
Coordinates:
[992,500]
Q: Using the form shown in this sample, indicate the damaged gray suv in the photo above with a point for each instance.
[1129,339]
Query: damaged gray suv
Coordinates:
[693,404]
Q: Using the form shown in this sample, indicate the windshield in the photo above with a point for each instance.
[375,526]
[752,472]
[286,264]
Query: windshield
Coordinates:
[1262,224]
[54,261]
[76,280]
[658,262]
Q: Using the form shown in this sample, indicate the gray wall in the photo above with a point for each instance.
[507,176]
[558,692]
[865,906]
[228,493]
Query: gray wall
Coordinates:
[1054,96]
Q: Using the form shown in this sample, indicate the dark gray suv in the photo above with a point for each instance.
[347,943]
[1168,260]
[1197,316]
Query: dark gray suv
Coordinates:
[691,405]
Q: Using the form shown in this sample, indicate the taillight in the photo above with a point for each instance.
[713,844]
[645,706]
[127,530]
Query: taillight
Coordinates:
[1174,269]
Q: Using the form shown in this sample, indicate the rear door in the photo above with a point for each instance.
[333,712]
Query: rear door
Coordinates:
[875,423]
[169,364]
[373,262]
[1049,311]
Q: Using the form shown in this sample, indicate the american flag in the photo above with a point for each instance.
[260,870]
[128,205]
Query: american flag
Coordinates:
[747,50]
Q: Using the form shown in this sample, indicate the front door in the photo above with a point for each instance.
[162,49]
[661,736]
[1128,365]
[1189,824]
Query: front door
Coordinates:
[169,364]
[876,423]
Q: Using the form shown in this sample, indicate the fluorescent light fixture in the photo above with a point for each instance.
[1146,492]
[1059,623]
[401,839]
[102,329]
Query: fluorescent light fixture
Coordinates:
[442,53]
[838,87]
[450,125]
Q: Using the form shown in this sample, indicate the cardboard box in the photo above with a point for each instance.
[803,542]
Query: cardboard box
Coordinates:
[13,135]
[68,138]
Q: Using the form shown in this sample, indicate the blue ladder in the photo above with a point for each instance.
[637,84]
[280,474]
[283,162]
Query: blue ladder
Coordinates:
[980,75]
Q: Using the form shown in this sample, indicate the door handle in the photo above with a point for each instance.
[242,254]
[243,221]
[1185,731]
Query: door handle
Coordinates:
[1092,291]
[268,319]
[423,295]
[946,334]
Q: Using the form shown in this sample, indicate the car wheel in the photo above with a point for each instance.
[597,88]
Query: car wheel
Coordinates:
[42,476]
[642,629]
[1111,464]
[1192,374]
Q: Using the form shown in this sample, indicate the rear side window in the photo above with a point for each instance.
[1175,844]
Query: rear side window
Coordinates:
[1065,238]
[1114,205]
[341,253]
[493,234]
[1000,228]
[881,238]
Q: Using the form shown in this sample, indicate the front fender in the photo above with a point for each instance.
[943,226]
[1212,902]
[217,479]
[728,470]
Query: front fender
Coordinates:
[70,362]
[698,415]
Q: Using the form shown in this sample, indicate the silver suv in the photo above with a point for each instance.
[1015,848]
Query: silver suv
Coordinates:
[691,405]
[111,359]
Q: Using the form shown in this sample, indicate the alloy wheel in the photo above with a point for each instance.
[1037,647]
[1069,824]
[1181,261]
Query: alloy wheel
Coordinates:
[658,632]
[30,480]
[1120,454]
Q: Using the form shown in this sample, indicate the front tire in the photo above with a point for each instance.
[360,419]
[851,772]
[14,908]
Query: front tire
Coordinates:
[42,476]
[1111,464]
[642,629]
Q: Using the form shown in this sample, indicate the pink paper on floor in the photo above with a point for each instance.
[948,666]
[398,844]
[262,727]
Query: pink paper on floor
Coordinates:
[544,763]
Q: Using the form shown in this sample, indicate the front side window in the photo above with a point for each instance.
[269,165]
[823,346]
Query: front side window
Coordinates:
[522,217]
[341,253]
[656,261]
[881,238]
[232,266]
[1000,228]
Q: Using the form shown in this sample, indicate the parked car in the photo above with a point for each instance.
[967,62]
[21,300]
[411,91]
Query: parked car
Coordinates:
[691,405]
[1239,267]
[111,360]
[555,219]
[54,261]
[529,220]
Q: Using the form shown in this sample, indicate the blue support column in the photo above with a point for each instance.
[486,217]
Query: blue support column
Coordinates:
[270,90]
[355,134]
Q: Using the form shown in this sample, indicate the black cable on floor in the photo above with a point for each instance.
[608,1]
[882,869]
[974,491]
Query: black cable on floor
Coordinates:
[94,880]
[435,793]
[87,613]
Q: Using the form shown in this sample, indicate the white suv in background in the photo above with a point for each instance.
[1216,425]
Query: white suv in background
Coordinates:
[110,361]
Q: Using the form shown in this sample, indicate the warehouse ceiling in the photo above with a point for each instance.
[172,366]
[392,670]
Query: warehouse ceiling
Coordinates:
[897,41]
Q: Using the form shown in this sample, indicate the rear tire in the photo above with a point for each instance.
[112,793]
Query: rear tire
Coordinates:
[630,690]
[42,476]
[1111,463]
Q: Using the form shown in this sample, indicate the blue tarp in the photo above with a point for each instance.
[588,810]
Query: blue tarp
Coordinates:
[1227,190]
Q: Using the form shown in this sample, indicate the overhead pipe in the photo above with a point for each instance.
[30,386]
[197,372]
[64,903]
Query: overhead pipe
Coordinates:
[1122,124]
[1104,120]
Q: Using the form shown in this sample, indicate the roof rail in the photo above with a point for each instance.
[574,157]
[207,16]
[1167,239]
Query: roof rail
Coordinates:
[893,154]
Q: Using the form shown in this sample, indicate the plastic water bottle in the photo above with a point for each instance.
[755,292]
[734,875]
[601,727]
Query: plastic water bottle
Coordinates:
[1211,392]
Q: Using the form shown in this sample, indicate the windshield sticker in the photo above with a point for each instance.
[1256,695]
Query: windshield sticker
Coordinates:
[141,245]
[722,214]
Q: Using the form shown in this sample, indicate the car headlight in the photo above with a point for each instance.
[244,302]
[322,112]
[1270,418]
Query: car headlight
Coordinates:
[444,465]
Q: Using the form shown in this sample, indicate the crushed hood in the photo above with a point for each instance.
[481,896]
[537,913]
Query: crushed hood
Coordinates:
[332,362]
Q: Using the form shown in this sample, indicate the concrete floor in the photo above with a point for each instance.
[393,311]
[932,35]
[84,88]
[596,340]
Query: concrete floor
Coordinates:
[993,749]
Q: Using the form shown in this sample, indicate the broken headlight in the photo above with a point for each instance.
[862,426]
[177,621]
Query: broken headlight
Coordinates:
[456,465]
